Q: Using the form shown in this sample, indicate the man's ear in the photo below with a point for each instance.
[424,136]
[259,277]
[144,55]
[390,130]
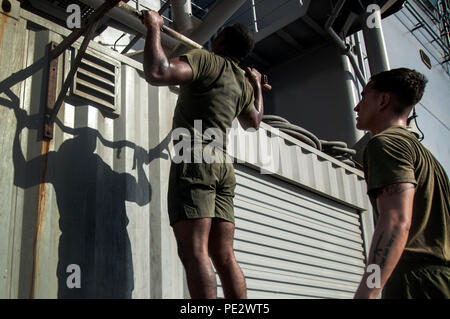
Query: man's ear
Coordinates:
[384,100]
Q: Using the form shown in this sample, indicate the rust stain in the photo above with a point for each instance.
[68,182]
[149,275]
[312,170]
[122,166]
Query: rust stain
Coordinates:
[40,216]
[3,21]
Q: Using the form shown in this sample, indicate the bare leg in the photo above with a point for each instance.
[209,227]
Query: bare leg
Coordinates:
[222,254]
[192,239]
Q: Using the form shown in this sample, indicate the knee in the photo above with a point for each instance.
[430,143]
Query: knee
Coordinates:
[190,256]
[222,259]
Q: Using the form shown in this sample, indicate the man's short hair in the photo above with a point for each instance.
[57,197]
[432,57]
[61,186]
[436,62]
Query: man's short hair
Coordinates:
[405,84]
[239,41]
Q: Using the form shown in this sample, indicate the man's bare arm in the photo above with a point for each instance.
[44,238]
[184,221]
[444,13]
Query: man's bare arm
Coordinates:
[395,205]
[254,117]
[158,69]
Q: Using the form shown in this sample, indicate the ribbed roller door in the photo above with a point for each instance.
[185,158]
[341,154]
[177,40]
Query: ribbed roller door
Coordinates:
[293,243]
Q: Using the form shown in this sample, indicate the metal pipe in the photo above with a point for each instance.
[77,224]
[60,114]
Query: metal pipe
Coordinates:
[375,44]
[341,44]
[255,20]
[182,15]
[172,33]
[359,53]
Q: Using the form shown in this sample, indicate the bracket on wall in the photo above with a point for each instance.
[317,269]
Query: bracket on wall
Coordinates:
[53,103]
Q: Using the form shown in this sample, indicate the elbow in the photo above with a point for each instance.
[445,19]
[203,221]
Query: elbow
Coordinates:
[256,124]
[396,223]
[255,121]
[405,226]
[250,124]
[153,78]
[402,226]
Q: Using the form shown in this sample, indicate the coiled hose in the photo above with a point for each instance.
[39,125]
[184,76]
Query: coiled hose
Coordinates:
[336,149]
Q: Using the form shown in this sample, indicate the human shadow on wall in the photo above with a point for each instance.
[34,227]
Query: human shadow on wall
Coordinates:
[91,199]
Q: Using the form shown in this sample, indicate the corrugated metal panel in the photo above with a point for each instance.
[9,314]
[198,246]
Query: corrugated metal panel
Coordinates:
[292,243]
[271,151]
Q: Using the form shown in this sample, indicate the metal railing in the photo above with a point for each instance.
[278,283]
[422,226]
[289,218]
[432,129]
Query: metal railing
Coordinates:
[440,18]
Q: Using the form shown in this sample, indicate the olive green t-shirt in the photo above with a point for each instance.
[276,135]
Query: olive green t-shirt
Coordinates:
[218,93]
[396,156]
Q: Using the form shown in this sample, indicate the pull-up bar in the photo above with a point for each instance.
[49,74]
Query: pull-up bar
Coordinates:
[170,32]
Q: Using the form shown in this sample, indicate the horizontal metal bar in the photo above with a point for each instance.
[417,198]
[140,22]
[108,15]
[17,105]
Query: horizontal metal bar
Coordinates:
[96,77]
[170,32]
[97,67]
[96,88]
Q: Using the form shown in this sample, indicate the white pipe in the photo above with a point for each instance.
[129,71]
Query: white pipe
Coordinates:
[255,20]
[375,44]
[131,22]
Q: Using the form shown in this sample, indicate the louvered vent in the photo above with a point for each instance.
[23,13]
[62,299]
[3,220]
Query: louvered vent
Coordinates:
[97,81]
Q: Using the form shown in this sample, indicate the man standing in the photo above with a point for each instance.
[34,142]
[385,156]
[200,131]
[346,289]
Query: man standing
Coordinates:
[409,191]
[213,90]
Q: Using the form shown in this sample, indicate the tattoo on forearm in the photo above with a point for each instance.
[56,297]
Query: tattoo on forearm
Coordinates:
[381,253]
[377,250]
[387,250]
[396,189]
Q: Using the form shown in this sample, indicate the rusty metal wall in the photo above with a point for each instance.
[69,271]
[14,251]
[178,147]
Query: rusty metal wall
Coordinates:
[95,195]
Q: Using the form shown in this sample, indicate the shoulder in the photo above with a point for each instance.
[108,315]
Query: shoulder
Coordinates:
[389,159]
[200,55]
[394,137]
[203,63]
[196,52]
[394,145]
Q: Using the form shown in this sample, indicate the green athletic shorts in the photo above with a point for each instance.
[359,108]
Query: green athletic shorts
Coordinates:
[419,279]
[201,190]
